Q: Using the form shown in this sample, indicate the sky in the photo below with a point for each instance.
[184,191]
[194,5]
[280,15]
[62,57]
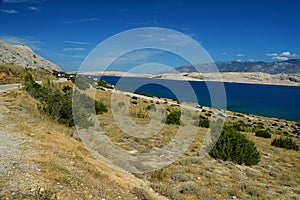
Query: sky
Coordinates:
[65,31]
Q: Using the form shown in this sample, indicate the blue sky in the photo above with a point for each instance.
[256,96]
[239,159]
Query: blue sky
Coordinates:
[66,31]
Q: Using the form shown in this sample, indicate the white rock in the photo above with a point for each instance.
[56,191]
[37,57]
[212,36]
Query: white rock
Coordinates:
[24,56]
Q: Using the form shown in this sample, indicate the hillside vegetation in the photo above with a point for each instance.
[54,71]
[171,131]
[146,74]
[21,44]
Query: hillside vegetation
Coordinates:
[223,175]
[240,166]
[42,161]
[11,73]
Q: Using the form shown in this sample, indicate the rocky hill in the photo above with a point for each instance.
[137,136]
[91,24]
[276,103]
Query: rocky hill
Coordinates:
[24,56]
[282,67]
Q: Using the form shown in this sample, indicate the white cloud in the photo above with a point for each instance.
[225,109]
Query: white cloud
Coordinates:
[224,53]
[172,40]
[77,42]
[10,11]
[282,58]
[240,55]
[239,60]
[250,60]
[34,8]
[74,49]
[285,54]
[272,54]
[28,41]
[92,19]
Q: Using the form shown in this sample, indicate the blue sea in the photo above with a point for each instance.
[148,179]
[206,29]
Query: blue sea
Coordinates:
[265,100]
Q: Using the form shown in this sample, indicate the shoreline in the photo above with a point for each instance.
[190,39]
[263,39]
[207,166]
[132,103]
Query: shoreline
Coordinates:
[196,107]
[225,77]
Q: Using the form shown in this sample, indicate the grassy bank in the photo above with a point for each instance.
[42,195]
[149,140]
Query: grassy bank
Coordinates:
[11,73]
[230,172]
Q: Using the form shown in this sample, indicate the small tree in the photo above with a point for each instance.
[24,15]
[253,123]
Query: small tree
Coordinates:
[173,118]
[100,107]
[263,133]
[236,147]
[204,122]
[286,143]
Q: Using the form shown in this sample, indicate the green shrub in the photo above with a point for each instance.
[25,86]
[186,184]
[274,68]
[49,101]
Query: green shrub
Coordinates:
[66,89]
[286,143]
[173,118]
[59,103]
[285,133]
[100,107]
[151,107]
[240,126]
[236,147]
[204,122]
[103,83]
[263,133]
[134,102]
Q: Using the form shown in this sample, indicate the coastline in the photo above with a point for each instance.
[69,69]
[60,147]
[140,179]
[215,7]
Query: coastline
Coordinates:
[229,77]
[196,107]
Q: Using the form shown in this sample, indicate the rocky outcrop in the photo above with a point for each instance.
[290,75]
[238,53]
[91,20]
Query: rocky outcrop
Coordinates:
[24,56]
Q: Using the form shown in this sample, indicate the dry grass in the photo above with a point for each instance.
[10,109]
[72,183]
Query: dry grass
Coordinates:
[11,73]
[277,176]
[70,170]
[66,169]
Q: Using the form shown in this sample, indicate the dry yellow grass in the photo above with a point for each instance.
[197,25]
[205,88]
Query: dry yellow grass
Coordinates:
[277,176]
[68,169]
[11,73]
[64,167]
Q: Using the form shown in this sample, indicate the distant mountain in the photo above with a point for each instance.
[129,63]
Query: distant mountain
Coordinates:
[283,67]
[24,56]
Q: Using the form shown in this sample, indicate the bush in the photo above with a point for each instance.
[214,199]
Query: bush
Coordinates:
[236,147]
[12,73]
[100,107]
[286,143]
[103,83]
[204,122]
[173,118]
[58,103]
[263,133]
[134,102]
[151,107]
[240,126]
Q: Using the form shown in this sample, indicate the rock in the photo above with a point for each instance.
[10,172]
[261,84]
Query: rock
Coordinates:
[273,174]
[16,108]
[41,190]
[24,56]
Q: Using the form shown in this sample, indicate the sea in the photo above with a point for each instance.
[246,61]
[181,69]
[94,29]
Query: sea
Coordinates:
[258,99]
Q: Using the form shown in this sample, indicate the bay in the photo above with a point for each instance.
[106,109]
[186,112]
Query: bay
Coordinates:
[259,99]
